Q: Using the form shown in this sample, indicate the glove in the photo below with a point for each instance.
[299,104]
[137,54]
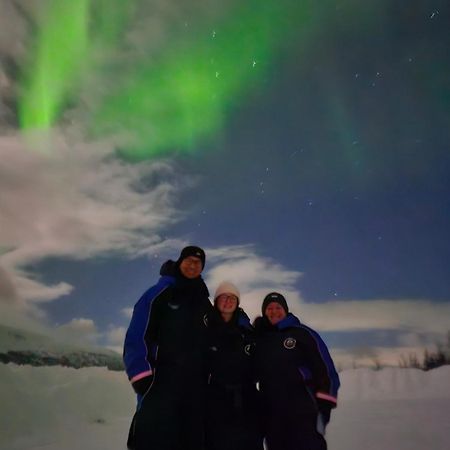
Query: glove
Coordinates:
[142,386]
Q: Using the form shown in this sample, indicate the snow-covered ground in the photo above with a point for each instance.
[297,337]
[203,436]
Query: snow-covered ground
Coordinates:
[57,408]
[392,409]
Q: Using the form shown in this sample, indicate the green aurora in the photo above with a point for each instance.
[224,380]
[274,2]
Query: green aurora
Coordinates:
[170,102]
[56,65]
[67,37]
[178,97]
[188,93]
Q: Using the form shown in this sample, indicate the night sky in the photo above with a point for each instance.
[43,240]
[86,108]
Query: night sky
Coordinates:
[325,175]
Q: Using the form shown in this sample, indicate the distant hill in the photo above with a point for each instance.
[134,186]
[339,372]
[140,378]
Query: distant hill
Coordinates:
[24,347]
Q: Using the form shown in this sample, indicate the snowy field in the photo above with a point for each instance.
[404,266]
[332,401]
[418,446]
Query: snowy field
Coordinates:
[56,408]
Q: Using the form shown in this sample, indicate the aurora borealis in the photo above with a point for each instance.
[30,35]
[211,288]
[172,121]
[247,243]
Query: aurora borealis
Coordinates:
[170,101]
[61,50]
[61,54]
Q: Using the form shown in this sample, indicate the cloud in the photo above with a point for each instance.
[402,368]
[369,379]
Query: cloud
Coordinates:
[8,292]
[354,315]
[31,289]
[115,336]
[77,202]
[21,293]
[79,331]
[13,28]
[348,358]
[127,312]
[12,315]
[245,268]
[254,275]
[84,331]
[418,322]
[414,339]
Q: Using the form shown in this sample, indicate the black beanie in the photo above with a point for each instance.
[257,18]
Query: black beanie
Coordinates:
[274,297]
[192,250]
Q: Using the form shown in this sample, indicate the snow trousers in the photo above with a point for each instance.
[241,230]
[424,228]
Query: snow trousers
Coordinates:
[232,421]
[171,415]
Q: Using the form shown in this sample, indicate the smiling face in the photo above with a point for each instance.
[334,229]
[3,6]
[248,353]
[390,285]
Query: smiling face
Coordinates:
[226,304]
[275,313]
[191,267]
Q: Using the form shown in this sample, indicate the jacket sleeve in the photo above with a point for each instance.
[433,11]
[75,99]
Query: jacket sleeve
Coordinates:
[141,337]
[325,379]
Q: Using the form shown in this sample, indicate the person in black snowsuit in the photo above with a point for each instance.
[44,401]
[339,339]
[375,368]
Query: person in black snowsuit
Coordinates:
[164,355]
[232,399]
[297,379]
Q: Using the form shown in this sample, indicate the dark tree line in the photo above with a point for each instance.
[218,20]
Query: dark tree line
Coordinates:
[431,359]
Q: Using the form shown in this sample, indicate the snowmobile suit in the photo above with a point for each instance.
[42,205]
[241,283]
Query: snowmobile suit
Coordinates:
[166,342]
[298,383]
[232,399]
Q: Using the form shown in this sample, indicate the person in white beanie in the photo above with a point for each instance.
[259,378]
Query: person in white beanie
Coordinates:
[226,300]
[232,398]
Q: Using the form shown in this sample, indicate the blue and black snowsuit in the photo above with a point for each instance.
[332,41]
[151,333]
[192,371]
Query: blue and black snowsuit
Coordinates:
[232,399]
[298,383]
[164,355]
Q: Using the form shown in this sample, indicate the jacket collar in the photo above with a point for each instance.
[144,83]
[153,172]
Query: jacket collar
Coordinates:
[288,322]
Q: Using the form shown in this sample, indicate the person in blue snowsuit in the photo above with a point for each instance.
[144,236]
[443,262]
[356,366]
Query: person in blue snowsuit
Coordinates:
[165,354]
[297,379]
[232,398]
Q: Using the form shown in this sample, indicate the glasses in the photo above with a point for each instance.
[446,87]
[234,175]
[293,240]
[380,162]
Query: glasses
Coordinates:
[192,261]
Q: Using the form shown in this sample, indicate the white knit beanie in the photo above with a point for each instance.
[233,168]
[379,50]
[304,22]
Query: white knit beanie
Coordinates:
[226,287]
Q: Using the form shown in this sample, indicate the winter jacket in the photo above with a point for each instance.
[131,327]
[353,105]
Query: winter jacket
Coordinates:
[167,329]
[294,367]
[229,349]
[233,409]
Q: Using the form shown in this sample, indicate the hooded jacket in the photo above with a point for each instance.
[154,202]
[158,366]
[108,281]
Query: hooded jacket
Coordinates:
[168,327]
[294,366]
[229,349]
